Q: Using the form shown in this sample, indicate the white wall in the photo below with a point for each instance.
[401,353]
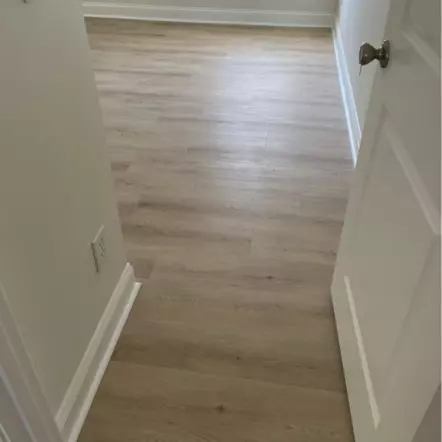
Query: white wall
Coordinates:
[55,188]
[360,21]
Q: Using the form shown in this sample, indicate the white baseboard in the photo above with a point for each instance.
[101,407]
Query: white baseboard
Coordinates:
[79,396]
[351,113]
[209,15]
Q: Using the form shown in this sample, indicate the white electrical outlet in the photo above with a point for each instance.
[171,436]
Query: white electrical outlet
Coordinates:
[99,249]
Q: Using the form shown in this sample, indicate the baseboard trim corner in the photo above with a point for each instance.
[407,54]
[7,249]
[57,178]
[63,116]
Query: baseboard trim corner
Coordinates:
[80,394]
[208,15]
[351,113]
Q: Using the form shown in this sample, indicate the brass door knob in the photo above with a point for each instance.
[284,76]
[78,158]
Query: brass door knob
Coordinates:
[368,53]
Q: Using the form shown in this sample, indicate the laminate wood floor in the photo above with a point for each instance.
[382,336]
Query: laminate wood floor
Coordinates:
[231,163]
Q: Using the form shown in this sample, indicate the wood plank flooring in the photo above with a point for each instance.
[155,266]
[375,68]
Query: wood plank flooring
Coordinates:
[232,166]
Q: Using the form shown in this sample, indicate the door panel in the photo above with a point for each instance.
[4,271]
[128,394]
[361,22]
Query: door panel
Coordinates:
[410,87]
[423,18]
[386,287]
[414,372]
[383,302]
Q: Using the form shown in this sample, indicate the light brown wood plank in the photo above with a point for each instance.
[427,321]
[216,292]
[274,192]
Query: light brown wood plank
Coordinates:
[182,405]
[231,164]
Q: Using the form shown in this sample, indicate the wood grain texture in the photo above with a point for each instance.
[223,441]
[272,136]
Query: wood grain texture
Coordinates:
[231,163]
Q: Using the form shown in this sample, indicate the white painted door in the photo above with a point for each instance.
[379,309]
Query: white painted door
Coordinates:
[25,415]
[386,287]
[12,425]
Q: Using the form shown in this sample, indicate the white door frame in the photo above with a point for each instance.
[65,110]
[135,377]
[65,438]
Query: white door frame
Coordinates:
[19,376]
